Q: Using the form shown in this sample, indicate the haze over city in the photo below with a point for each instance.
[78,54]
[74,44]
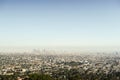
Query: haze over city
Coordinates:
[59,40]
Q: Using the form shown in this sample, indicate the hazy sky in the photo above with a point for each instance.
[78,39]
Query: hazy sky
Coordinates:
[59,23]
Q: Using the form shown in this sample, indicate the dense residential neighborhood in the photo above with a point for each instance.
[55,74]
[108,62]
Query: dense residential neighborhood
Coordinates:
[69,66]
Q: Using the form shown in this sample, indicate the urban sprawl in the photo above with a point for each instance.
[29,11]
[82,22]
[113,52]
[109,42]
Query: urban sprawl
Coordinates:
[61,66]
